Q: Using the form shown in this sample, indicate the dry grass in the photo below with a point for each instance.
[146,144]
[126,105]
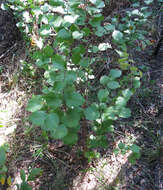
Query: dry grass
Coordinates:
[60,168]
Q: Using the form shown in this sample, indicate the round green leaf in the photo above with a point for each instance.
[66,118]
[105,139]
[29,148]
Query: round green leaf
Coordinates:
[74,99]
[51,122]
[113,85]
[59,76]
[76,53]
[100,31]
[120,102]
[125,113]
[64,34]
[40,62]
[35,104]
[127,93]
[57,21]
[99,3]
[70,18]
[77,35]
[103,95]
[109,27]
[58,62]
[70,138]
[96,20]
[81,20]
[104,80]
[48,51]
[60,132]
[115,73]
[84,62]
[59,86]
[70,77]
[109,113]
[45,30]
[53,101]
[135,148]
[71,119]
[79,49]
[148,1]
[117,35]
[37,118]
[76,57]
[92,113]
[94,49]
[45,8]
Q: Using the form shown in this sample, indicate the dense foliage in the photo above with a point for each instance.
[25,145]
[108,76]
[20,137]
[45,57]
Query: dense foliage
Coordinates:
[88,81]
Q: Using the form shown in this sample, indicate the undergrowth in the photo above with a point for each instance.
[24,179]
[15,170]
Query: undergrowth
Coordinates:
[88,73]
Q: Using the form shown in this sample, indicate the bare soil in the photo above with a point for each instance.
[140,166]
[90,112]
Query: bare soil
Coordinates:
[64,168]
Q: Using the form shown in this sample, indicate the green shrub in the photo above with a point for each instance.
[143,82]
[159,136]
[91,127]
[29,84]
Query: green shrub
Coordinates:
[63,36]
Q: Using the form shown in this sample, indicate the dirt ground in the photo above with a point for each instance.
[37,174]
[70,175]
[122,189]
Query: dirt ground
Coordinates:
[63,168]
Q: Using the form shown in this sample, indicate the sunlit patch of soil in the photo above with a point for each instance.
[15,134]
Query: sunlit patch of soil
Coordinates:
[14,96]
[11,105]
[105,171]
